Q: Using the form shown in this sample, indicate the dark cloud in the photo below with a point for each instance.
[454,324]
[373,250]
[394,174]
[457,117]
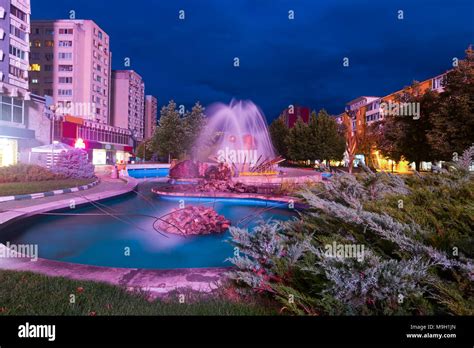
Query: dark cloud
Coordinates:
[282,61]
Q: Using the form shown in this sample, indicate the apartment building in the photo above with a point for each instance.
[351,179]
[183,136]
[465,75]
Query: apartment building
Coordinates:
[24,121]
[71,61]
[151,115]
[363,111]
[14,47]
[128,105]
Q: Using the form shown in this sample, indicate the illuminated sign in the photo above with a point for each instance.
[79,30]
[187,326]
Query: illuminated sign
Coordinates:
[79,144]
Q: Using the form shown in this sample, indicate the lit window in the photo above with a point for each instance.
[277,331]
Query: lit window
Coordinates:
[35,67]
[37,43]
[34,81]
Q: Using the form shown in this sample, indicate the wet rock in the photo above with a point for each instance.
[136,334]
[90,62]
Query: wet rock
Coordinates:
[185,170]
[193,220]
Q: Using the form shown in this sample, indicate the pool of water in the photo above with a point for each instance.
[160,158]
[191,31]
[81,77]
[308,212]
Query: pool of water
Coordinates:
[144,173]
[87,236]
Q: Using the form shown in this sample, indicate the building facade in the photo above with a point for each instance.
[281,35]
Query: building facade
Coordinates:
[24,121]
[293,113]
[71,61]
[104,144]
[364,111]
[151,115]
[128,102]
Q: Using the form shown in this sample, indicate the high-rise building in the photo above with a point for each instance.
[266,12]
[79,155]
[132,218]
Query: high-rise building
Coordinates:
[14,47]
[71,61]
[128,105]
[151,115]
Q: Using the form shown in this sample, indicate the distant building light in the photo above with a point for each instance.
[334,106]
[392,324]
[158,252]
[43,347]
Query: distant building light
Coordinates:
[79,144]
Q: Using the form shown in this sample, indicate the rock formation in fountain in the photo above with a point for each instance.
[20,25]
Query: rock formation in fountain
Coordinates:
[220,172]
[193,220]
[184,170]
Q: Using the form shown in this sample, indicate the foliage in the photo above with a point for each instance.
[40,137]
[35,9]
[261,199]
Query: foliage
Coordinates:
[453,120]
[168,139]
[193,124]
[26,173]
[297,141]
[408,264]
[325,141]
[145,150]
[24,293]
[175,135]
[406,135]
[321,139]
[73,164]
[278,133]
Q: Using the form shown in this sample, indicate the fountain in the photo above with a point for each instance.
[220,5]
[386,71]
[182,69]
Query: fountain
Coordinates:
[237,135]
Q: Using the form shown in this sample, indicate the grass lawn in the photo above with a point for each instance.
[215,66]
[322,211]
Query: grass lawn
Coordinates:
[21,188]
[25,293]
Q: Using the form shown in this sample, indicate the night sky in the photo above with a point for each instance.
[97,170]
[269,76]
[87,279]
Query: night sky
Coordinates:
[282,61]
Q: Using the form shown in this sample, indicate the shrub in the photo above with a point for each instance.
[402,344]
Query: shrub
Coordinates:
[26,173]
[408,267]
[74,164]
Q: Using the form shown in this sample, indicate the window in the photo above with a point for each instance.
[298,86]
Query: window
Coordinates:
[65,55]
[49,43]
[49,31]
[37,31]
[48,67]
[65,68]
[18,13]
[17,52]
[63,79]
[17,32]
[37,43]
[34,81]
[65,92]
[34,55]
[66,31]
[35,67]
[49,56]
[63,43]
[48,92]
[17,72]
[11,109]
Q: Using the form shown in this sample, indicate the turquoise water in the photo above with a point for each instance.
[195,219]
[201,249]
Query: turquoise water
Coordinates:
[102,240]
[148,173]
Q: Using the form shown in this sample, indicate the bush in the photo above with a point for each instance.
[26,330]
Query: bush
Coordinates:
[26,173]
[74,164]
[408,265]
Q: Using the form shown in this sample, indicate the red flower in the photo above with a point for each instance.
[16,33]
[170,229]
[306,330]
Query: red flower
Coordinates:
[92,314]
[80,289]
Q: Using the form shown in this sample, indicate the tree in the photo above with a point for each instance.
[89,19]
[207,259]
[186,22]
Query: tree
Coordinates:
[169,137]
[278,133]
[325,141]
[406,135]
[193,123]
[297,141]
[453,120]
[145,150]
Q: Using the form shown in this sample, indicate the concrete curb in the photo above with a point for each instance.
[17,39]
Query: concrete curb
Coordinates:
[48,194]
